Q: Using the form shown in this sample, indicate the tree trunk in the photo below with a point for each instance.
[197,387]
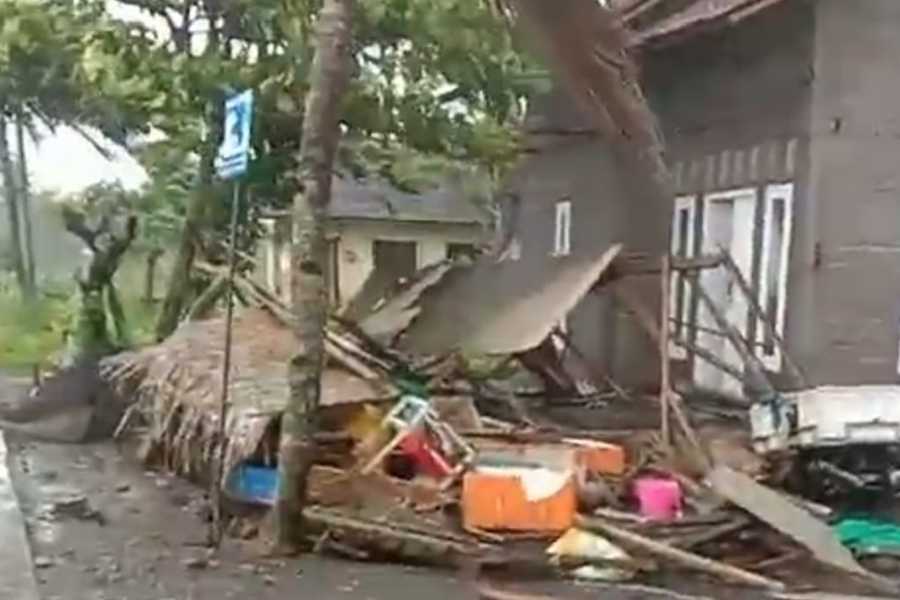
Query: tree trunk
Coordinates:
[91,338]
[150,275]
[312,192]
[117,312]
[179,289]
[25,198]
[12,206]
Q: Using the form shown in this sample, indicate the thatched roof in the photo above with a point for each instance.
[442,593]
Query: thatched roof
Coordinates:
[177,385]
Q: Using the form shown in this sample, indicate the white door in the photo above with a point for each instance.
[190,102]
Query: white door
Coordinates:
[728,221]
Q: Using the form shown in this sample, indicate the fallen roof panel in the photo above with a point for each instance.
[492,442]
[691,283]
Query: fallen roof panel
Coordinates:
[481,309]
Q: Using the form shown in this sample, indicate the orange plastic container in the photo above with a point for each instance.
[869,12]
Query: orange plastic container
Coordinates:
[599,458]
[499,502]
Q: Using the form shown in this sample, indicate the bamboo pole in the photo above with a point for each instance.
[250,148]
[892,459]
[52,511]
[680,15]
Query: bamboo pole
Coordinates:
[665,384]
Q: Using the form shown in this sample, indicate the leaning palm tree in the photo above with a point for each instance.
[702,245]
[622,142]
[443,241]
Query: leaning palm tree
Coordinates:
[586,46]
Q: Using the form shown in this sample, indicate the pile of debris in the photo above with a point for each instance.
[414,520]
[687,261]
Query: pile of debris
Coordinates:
[410,470]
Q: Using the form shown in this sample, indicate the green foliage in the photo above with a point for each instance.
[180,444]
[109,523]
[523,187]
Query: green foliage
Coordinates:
[67,62]
[36,332]
[437,77]
[30,333]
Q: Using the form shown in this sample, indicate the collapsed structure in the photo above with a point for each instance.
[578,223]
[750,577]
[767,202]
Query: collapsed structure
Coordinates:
[752,294]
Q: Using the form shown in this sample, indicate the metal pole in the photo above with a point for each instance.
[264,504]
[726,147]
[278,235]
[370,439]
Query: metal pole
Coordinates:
[216,491]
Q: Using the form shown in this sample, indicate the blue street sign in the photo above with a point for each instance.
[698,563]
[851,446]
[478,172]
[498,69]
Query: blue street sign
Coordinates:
[234,153]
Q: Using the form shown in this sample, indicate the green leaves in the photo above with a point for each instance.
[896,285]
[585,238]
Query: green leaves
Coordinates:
[65,62]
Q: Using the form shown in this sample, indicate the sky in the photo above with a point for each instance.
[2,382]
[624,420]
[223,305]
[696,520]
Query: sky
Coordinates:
[65,162]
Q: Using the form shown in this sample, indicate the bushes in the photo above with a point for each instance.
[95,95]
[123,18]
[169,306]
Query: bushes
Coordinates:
[35,333]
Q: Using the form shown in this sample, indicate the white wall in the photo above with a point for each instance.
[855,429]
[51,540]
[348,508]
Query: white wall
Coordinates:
[355,240]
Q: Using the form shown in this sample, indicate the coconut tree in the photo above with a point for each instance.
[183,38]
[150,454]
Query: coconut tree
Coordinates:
[329,75]
[585,45]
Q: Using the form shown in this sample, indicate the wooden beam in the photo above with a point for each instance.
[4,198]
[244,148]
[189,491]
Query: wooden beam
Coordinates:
[748,357]
[629,266]
[760,314]
[680,557]
[665,384]
[645,319]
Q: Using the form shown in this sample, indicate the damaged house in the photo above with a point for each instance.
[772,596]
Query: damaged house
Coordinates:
[782,147]
[379,235]
[782,144]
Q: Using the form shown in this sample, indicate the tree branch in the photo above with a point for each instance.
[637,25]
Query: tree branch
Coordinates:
[76,223]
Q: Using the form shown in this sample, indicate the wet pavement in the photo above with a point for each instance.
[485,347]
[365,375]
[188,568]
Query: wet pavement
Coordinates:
[16,577]
[102,528]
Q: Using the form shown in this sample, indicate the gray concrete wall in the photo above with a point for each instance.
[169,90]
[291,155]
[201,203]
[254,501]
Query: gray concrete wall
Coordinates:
[735,106]
[854,305]
[608,207]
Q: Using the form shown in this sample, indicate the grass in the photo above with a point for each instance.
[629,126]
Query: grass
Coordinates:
[30,333]
[34,332]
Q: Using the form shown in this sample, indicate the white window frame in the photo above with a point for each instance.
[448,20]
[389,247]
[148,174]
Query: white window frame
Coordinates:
[784,192]
[689,204]
[562,236]
[270,254]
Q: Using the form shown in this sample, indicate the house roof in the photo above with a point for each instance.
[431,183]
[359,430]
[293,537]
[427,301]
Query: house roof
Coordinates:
[653,23]
[656,21]
[378,200]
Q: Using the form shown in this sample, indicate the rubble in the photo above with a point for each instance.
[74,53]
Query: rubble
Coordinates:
[415,466]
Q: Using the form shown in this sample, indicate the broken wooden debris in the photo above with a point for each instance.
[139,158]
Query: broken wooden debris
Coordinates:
[677,556]
[710,533]
[347,500]
[389,541]
[773,509]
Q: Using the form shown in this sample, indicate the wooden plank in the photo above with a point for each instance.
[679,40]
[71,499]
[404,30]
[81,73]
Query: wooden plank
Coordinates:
[679,557]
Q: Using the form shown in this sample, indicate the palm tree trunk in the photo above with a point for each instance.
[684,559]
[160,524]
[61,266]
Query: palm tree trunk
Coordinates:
[179,288]
[25,198]
[12,206]
[312,192]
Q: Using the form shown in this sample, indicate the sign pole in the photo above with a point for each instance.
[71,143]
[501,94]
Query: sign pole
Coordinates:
[216,491]
[232,163]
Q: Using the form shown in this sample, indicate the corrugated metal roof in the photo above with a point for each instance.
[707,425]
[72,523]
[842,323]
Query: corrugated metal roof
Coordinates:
[375,199]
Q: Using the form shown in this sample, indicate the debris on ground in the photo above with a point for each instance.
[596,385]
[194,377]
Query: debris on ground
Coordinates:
[422,460]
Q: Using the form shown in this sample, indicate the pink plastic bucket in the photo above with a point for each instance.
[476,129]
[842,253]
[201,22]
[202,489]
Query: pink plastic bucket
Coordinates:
[659,499]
